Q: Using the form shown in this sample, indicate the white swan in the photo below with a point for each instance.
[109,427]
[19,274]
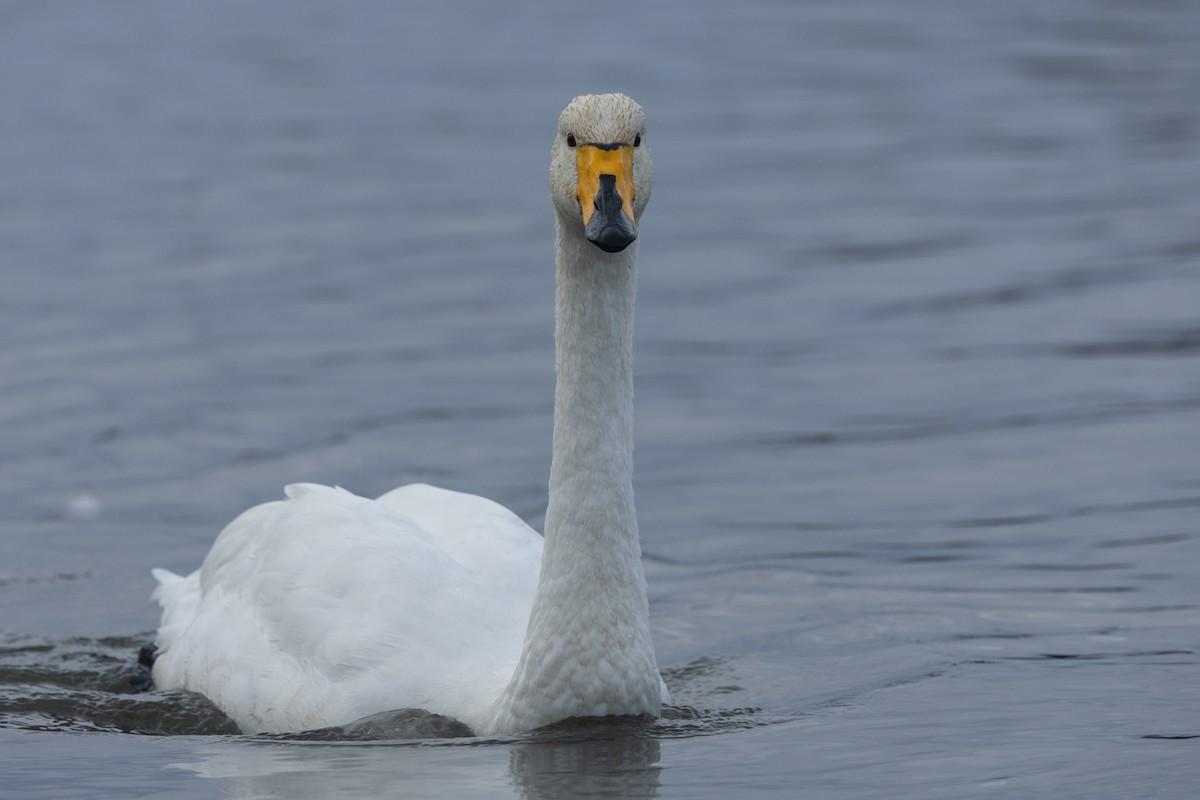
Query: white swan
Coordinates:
[327,607]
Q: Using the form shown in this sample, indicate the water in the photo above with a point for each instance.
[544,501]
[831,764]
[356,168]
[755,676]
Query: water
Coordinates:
[916,367]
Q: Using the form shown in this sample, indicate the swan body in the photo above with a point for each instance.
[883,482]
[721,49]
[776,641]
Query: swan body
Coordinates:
[327,607]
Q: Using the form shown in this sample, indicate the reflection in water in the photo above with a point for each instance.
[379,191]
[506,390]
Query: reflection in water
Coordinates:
[604,758]
[96,685]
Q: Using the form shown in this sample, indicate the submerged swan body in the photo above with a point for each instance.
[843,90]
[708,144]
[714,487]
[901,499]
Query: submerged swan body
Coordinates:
[327,607]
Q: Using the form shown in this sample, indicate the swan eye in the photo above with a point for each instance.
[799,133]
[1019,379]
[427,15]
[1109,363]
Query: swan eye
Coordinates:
[570,140]
[637,140]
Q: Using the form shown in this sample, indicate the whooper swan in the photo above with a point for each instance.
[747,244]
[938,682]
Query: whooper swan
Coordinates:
[326,607]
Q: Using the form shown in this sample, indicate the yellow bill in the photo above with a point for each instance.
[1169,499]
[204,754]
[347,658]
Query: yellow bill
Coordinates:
[605,194]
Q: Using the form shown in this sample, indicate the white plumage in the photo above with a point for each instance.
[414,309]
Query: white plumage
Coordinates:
[294,620]
[327,607]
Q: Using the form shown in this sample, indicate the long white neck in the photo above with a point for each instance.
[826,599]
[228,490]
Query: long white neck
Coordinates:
[587,647]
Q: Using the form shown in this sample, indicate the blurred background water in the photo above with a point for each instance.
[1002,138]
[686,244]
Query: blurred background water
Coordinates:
[918,397]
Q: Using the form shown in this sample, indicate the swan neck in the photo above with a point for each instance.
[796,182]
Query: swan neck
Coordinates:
[592,458]
[587,647]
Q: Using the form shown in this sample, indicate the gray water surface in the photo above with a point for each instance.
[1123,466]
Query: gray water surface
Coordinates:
[918,400]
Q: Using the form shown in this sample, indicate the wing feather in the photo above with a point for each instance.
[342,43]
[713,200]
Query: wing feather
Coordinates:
[325,607]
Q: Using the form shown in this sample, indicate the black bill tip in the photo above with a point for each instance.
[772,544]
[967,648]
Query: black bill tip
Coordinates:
[610,228]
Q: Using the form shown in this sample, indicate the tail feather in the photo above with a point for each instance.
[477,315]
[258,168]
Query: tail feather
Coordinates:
[178,595]
[168,585]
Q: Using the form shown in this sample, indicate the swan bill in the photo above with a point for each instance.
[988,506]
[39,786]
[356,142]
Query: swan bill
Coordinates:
[605,194]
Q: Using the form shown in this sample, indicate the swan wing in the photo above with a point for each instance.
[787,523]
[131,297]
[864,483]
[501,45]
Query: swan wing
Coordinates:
[326,607]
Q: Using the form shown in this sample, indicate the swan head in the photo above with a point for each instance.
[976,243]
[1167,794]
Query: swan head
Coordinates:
[600,170]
